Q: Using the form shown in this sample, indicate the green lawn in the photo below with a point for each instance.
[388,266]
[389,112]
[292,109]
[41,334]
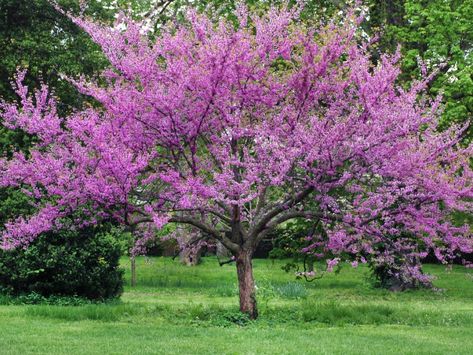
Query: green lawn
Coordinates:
[181,310]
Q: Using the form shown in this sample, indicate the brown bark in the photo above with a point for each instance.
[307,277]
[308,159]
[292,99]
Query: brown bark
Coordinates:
[246,284]
[222,252]
[190,256]
[133,271]
[310,264]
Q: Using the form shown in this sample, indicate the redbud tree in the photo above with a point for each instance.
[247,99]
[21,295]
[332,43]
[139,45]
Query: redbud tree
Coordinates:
[235,129]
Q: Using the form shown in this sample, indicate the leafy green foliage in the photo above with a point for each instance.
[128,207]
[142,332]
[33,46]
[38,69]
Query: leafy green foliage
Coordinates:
[84,264]
[440,33]
[290,241]
[33,35]
[13,203]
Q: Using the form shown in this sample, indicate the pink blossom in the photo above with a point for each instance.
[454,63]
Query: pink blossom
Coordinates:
[331,263]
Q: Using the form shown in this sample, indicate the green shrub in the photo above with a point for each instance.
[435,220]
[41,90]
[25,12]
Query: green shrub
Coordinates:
[230,318]
[83,264]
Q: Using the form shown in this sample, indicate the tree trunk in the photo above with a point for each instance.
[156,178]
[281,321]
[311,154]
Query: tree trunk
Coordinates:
[223,252]
[310,264]
[246,284]
[191,256]
[133,271]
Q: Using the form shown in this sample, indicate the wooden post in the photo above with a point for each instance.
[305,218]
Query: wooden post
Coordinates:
[133,271]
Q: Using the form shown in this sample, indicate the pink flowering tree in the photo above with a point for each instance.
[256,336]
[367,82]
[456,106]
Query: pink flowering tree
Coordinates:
[234,130]
[191,243]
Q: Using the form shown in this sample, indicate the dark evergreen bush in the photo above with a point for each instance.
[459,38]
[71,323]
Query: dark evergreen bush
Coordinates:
[68,263]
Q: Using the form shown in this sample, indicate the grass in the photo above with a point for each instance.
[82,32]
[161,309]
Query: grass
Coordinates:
[181,310]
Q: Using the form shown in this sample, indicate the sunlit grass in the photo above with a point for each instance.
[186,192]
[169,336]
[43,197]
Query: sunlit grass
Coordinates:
[192,310]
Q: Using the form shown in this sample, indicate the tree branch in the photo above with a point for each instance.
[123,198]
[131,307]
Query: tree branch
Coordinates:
[261,223]
[207,229]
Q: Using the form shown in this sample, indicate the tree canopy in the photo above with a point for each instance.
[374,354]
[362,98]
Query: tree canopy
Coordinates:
[237,129]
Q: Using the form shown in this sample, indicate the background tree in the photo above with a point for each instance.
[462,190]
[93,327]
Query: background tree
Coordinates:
[33,35]
[440,33]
